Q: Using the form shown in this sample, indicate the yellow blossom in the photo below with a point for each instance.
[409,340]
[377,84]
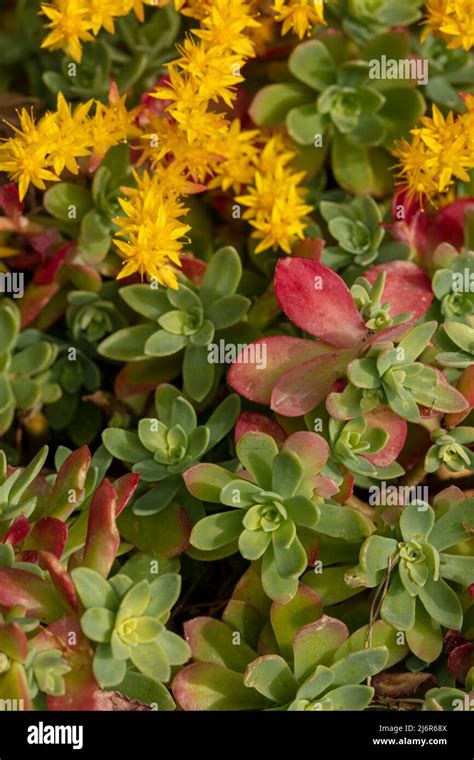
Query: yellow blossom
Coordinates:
[240,155]
[275,204]
[71,139]
[451,19]
[439,153]
[70,24]
[299,15]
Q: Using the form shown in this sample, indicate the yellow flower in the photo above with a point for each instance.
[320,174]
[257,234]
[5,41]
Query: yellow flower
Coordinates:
[453,20]
[70,25]
[71,139]
[110,125]
[275,204]
[154,231]
[26,165]
[224,27]
[215,74]
[240,156]
[25,157]
[102,14]
[440,152]
[299,15]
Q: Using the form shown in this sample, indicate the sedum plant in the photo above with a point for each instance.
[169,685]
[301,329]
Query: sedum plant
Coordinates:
[26,381]
[357,228]
[280,499]
[331,99]
[165,447]
[127,622]
[451,449]
[416,568]
[391,375]
[186,321]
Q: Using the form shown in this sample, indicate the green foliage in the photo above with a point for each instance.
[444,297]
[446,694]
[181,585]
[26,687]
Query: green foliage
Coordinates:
[187,320]
[414,568]
[166,446]
[391,375]
[26,361]
[126,620]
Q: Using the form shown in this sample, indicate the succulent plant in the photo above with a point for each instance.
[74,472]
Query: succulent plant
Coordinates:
[450,448]
[166,446]
[45,672]
[415,567]
[391,375]
[453,285]
[356,444]
[357,228]
[93,316]
[277,500]
[188,320]
[299,372]
[26,381]
[75,372]
[332,98]
[362,19]
[296,641]
[127,621]
[456,342]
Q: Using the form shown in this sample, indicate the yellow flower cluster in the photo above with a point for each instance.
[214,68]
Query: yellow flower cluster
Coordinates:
[441,151]
[40,151]
[453,20]
[187,144]
[299,16]
[153,229]
[72,22]
[276,207]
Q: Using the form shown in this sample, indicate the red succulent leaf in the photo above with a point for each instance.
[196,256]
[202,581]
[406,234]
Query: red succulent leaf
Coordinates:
[50,535]
[280,353]
[124,488]
[13,641]
[36,297]
[305,386]
[30,556]
[10,200]
[103,539]
[61,579]
[256,422]
[193,268]
[81,687]
[17,532]
[69,483]
[39,598]
[113,700]
[346,488]
[411,220]
[309,248]
[46,273]
[447,226]
[311,449]
[395,427]
[461,660]
[318,301]
[145,375]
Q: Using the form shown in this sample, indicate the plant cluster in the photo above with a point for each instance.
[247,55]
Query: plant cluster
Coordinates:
[237,355]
